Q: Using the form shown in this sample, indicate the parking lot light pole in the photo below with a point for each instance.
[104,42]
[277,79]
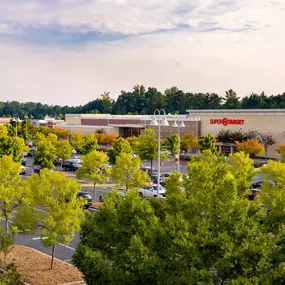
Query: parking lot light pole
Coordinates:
[157,121]
[178,126]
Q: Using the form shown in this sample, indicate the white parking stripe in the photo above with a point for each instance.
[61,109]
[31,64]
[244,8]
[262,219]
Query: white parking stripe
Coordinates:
[37,238]
[8,220]
[66,246]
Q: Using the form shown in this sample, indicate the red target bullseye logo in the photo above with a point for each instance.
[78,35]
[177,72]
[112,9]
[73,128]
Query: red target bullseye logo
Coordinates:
[225,121]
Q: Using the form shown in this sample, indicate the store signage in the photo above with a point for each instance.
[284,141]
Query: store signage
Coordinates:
[226,121]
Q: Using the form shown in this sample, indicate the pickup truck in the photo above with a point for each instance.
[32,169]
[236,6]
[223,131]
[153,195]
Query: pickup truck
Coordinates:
[151,191]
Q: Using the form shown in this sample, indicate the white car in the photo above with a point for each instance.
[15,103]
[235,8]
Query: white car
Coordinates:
[151,191]
[23,170]
[75,159]
[166,151]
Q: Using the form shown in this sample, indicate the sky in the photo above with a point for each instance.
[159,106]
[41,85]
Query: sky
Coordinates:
[68,52]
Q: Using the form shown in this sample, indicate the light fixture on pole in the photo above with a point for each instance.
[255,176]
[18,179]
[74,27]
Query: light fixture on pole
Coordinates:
[156,121]
[16,121]
[179,125]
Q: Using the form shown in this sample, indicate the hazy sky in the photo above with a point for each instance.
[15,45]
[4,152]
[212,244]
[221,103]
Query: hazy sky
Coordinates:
[71,51]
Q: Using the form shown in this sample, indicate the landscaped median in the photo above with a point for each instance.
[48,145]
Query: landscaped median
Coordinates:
[35,268]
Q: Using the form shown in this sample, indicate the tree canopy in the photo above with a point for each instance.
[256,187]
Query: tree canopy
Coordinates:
[206,231]
[62,211]
[120,145]
[127,173]
[143,100]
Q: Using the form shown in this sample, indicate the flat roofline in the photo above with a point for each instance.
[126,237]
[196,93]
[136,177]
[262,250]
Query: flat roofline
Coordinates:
[84,126]
[234,110]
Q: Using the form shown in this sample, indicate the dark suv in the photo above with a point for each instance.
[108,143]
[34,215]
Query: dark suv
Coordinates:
[70,165]
[85,195]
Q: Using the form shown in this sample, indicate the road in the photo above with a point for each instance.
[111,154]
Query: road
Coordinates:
[62,252]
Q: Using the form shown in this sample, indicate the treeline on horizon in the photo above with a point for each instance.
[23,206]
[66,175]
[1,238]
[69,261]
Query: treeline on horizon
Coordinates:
[143,100]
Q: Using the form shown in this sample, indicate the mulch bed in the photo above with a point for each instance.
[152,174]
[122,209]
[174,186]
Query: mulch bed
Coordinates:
[35,267]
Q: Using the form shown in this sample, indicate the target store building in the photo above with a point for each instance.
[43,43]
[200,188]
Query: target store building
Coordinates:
[199,122]
[263,120]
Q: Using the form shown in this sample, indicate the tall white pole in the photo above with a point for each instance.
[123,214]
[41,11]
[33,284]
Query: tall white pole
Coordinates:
[158,160]
[16,126]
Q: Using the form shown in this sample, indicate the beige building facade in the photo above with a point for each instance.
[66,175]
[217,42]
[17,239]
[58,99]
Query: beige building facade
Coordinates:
[199,122]
[263,120]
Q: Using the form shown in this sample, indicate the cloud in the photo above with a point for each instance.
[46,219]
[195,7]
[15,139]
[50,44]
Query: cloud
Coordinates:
[71,51]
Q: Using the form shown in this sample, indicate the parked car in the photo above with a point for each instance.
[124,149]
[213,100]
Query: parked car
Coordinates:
[101,197]
[155,180]
[74,151]
[257,185]
[57,161]
[23,170]
[31,152]
[70,165]
[24,154]
[29,144]
[24,161]
[166,151]
[85,195]
[151,191]
[149,172]
[37,168]
[75,159]
[253,193]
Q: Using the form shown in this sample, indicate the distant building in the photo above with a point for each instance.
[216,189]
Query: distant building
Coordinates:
[47,122]
[199,122]
[263,120]
[4,121]
[124,125]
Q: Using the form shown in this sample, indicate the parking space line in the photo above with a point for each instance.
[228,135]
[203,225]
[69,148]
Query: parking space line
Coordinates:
[67,246]
[8,220]
[38,238]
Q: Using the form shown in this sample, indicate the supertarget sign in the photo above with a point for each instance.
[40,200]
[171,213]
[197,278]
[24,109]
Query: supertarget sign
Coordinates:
[226,121]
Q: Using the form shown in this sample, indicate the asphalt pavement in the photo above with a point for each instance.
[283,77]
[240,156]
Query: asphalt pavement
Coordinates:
[34,241]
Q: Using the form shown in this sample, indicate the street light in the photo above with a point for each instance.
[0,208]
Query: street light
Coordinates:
[179,125]
[156,121]
[16,120]
[197,119]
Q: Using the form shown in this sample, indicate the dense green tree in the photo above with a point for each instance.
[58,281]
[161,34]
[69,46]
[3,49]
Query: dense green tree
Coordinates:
[63,150]
[13,146]
[77,141]
[13,191]
[119,146]
[89,144]
[3,131]
[209,233]
[231,100]
[188,141]
[171,143]
[142,100]
[45,154]
[207,142]
[62,212]
[94,169]
[127,173]
[147,146]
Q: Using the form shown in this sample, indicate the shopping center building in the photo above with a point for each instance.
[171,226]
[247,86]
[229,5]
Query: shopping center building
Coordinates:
[199,122]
